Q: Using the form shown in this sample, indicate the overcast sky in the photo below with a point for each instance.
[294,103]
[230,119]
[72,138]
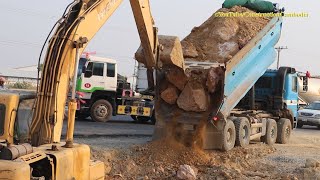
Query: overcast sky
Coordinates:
[25,25]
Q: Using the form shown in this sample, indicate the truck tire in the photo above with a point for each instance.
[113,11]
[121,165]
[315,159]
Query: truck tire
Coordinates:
[284,131]
[243,131]
[271,132]
[229,136]
[101,111]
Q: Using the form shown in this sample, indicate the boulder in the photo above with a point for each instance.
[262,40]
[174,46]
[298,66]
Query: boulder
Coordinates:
[176,76]
[193,98]
[170,95]
[187,172]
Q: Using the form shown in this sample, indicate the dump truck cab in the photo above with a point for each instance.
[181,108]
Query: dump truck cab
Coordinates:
[278,90]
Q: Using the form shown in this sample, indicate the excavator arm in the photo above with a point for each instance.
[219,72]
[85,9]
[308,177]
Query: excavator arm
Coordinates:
[80,22]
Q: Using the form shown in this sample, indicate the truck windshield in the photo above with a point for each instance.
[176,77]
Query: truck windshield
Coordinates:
[315,106]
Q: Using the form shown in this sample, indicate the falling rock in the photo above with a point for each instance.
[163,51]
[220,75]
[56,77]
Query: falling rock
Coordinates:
[187,172]
[193,98]
[170,95]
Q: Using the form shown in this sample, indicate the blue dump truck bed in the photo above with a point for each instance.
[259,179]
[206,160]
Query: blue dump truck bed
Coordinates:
[249,64]
[240,74]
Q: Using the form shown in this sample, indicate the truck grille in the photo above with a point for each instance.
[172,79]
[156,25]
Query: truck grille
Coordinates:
[306,114]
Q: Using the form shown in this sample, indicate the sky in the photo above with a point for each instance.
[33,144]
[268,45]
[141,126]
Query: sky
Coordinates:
[26,24]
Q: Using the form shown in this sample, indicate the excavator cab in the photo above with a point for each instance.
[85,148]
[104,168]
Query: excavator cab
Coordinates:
[15,116]
[19,160]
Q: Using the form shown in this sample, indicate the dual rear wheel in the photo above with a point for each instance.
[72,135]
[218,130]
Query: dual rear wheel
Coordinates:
[237,132]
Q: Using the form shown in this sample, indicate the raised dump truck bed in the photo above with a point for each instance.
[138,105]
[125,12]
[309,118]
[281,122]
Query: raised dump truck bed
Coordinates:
[240,74]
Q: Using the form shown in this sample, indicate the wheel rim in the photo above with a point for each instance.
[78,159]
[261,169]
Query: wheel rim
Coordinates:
[244,133]
[101,111]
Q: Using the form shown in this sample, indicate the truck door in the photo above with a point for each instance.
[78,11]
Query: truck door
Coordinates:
[291,93]
[94,77]
[111,77]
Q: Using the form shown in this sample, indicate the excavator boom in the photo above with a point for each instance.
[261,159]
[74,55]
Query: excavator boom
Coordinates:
[75,29]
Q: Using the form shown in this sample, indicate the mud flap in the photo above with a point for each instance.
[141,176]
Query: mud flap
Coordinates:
[213,135]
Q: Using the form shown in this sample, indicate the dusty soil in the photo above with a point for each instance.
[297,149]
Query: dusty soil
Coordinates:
[139,158]
[219,38]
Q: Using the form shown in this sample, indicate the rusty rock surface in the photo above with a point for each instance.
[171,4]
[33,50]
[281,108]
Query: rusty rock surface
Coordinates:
[193,98]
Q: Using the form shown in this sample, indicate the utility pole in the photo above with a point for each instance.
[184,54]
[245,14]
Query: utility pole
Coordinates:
[279,49]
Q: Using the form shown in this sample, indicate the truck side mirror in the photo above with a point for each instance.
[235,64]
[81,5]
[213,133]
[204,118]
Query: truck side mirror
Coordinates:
[305,83]
[88,74]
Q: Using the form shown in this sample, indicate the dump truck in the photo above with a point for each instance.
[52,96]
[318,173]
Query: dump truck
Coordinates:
[221,126]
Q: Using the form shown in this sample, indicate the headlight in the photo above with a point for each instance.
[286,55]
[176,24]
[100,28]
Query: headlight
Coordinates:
[317,116]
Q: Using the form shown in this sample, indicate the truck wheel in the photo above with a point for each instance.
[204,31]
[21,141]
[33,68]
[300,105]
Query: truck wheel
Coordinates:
[271,134]
[101,111]
[299,125]
[229,136]
[243,131]
[284,131]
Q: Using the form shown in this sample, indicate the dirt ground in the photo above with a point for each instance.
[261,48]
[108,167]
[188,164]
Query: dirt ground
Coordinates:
[137,157]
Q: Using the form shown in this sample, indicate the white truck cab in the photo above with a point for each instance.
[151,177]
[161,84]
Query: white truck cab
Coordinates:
[97,73]
[103,92]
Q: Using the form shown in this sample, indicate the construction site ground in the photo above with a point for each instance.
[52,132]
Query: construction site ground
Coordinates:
[128,153]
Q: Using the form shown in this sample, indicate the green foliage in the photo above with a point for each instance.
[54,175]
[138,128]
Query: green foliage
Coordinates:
[21,85]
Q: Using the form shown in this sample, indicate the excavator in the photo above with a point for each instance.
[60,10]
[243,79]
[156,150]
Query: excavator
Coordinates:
[31,146]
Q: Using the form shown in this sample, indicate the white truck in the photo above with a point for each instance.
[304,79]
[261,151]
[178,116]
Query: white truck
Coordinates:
[309,90]
[103,92]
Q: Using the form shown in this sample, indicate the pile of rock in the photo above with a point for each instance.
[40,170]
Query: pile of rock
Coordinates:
[217,40]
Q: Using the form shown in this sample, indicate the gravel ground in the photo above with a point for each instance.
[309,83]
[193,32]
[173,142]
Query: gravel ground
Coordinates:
[121,141]
[304,144]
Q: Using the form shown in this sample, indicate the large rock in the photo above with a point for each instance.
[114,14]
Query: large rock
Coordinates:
[170,52]
[170,95]
[176,76]
[193,98]
[187,172]
[214,76]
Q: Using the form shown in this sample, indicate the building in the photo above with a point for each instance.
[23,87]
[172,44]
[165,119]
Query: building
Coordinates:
[22,74]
